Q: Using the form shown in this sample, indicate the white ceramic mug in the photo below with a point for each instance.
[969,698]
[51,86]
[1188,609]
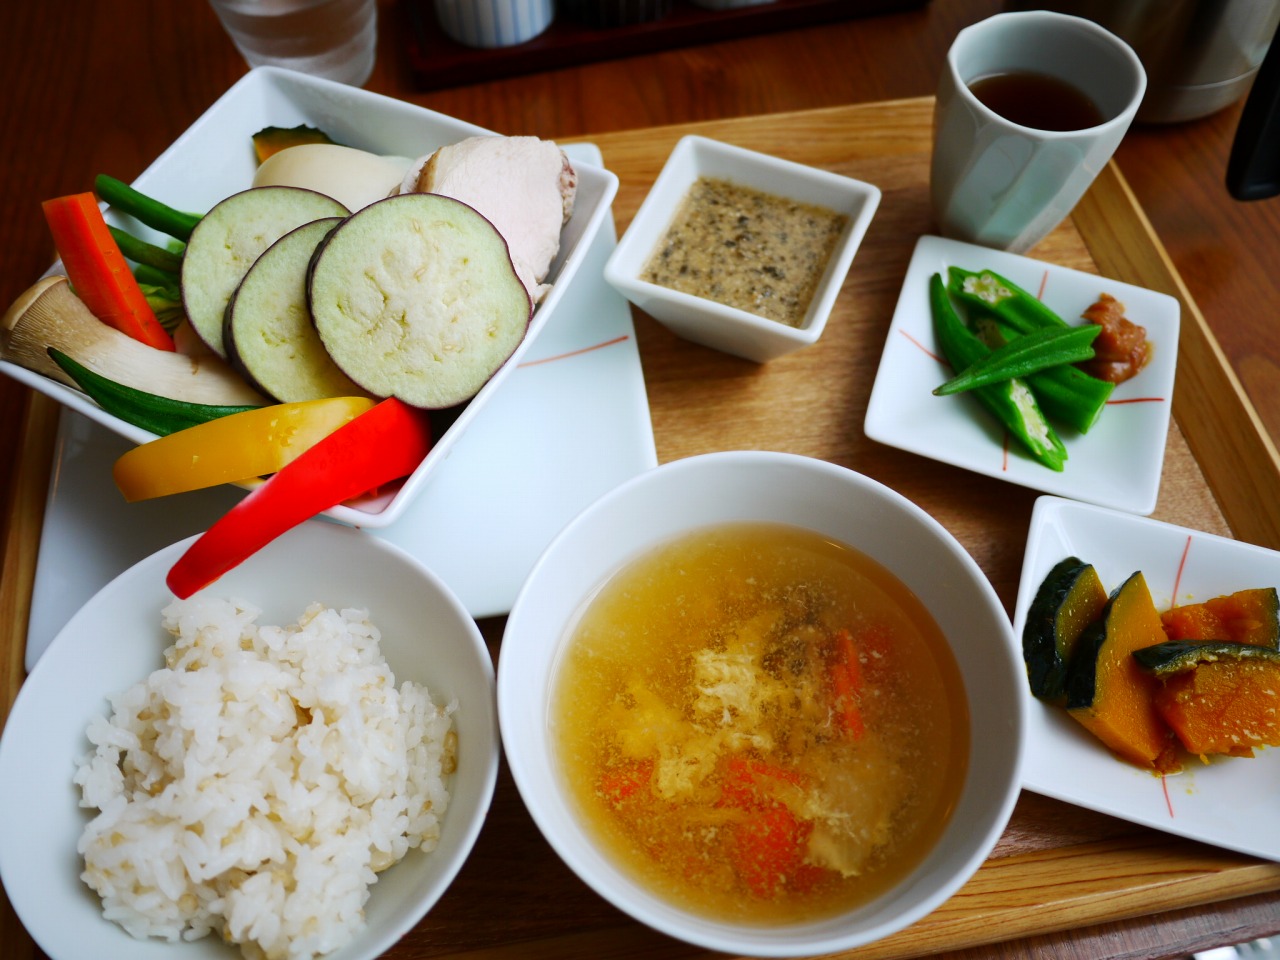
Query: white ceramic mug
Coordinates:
[1004,185]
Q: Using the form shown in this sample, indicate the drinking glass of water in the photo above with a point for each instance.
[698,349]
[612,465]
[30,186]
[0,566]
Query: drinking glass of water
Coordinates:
[335,39]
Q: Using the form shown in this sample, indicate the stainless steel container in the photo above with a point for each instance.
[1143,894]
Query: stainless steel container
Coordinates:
[1200,55]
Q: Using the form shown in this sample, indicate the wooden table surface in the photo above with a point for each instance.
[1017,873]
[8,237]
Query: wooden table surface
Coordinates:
[95,87]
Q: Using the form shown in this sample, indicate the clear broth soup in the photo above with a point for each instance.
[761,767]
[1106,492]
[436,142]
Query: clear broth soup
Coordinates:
[761,725]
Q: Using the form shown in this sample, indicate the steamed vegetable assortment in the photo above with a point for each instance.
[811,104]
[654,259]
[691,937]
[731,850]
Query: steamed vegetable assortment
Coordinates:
[1025,364]
[1203,678]
[311,335]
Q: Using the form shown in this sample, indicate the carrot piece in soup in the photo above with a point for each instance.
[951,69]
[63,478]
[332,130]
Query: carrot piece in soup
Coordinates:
[846,682]
[768,848]
[623,781]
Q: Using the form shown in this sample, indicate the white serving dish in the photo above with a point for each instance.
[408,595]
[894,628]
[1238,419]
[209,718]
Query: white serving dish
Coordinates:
[571,422]
[1228,802]
[681,496]
[715,324]
[116,639]
[1117,464]
[214,158]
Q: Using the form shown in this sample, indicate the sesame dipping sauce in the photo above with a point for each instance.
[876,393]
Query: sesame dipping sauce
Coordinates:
[747,249]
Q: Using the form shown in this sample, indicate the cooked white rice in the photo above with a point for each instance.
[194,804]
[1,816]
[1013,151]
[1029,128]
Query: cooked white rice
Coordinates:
[257,783]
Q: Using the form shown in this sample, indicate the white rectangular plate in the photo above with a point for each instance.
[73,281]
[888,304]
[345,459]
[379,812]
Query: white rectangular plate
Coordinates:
[1230,801]
[214,158]
[1117,464]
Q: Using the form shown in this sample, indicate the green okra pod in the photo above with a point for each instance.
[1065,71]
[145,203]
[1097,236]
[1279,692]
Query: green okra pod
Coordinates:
[1024,355]
[1066,394]
[1009,303]
[1010,401]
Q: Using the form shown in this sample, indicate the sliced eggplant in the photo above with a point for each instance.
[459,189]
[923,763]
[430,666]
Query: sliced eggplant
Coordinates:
[416,297]
[269,336]
[229,238]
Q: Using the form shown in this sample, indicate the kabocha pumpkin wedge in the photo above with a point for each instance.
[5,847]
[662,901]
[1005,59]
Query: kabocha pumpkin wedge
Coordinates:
[1068,600]
[1109,693]
[1246,616]
[1219,698]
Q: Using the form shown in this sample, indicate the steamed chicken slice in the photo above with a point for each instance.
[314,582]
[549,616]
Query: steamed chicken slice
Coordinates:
[523,185]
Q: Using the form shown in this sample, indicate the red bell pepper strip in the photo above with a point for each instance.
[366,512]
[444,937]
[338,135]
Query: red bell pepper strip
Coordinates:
[383,444]
[98,271]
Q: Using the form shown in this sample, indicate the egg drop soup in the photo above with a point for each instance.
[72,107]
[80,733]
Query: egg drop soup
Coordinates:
[760,725]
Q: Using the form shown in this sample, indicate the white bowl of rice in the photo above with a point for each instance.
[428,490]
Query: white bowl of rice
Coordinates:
[298,759]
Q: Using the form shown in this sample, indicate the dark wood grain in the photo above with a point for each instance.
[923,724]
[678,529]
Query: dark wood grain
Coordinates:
[91,87]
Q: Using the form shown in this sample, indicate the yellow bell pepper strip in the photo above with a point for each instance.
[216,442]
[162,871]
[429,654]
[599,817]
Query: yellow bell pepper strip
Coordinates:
[381,445]
[231,449]
[98,271]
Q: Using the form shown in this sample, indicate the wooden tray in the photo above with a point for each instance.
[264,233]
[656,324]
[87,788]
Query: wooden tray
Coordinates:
[1057,867]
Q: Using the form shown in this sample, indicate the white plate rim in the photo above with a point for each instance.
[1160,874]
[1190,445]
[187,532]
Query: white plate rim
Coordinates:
[1118,464]
[1065,762]
[33,875]
[263,84]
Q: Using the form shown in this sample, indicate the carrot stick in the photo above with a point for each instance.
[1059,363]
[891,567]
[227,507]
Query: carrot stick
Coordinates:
[98,271]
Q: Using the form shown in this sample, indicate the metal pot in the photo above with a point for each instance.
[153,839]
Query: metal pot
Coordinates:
[1201,56]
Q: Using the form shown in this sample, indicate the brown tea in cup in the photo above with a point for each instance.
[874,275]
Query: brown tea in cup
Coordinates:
[1037,100]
